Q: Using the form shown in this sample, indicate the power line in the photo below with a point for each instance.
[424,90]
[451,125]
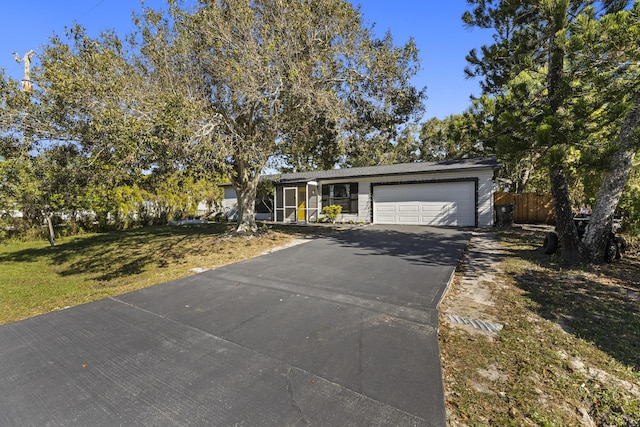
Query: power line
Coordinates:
[92,9]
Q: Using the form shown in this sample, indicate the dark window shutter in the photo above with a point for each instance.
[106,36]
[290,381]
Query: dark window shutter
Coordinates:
[325,195]
[353,198]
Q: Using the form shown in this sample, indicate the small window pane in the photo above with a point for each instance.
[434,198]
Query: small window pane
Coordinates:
[339,190]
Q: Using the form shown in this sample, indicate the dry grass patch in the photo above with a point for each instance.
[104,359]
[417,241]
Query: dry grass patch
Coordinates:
[569,353]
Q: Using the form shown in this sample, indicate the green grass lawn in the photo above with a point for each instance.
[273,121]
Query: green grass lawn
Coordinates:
[36,278]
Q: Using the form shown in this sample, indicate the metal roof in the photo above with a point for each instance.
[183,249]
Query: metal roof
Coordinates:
[458,165]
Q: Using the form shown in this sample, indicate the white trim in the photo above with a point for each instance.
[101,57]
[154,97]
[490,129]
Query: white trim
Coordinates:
[285,207]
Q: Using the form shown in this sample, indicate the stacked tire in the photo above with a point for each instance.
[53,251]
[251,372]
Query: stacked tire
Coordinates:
[615,248]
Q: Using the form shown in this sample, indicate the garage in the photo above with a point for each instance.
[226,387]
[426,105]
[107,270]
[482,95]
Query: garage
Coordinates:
[454,193]
[427,203]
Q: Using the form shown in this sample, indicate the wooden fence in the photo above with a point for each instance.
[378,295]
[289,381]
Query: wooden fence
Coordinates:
[529,208]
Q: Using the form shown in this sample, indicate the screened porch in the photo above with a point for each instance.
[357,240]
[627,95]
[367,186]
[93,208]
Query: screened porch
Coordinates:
[296,202]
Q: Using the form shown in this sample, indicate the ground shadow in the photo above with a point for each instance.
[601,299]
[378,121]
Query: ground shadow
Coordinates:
[600,304]
[608,316]
[418,245]
[112,255]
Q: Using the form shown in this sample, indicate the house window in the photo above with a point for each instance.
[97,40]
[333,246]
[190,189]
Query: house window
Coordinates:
[342,194]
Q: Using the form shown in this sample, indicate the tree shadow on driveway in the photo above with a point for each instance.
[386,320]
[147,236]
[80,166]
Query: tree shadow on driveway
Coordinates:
[417,244]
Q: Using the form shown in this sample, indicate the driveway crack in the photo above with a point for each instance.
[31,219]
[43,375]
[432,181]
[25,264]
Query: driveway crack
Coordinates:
[241,324]
[292,398]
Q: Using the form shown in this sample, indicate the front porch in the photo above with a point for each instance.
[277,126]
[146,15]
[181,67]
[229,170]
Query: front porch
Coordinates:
[297,202]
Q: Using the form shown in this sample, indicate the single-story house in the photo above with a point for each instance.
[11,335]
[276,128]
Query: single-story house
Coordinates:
[444,193]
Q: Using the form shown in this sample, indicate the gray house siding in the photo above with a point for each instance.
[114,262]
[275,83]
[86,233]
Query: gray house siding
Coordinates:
[484,192]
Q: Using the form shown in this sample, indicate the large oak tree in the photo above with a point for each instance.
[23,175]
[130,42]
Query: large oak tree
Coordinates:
[266,78]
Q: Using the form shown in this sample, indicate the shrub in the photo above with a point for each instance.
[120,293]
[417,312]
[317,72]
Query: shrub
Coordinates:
[332,212]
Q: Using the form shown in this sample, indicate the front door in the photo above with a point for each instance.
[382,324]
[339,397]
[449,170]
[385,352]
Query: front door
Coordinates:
[302,204]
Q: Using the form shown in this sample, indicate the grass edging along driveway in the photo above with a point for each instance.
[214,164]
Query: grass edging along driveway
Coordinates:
[569,352]
[36,278]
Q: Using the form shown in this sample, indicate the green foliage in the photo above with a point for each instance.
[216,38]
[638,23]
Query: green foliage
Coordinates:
[92,93]
[113,208]
[629,207]
[457,136]
[176,196]
[219,88]
[526,119]
[304,83]
[332,212]
[563,77]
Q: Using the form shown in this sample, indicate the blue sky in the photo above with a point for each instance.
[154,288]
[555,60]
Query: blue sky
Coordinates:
[435,25]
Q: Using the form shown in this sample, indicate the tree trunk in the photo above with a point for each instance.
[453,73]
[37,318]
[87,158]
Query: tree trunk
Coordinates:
[246,206]
[524,178]
[245,181]
[567,232]
[610,191]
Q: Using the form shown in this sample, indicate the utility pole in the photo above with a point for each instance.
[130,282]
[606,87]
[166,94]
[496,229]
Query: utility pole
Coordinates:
[27,86]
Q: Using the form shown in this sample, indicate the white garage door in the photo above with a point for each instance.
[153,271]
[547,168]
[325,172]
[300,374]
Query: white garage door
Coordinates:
[443,203]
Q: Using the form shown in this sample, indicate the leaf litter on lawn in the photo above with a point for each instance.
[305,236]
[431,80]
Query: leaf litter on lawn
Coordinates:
[568,353]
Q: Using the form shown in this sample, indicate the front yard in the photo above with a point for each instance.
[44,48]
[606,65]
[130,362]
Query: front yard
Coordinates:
[569,352]
[36,278]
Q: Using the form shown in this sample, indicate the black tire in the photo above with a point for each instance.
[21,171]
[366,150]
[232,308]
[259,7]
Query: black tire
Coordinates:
[550,244]
[611,251]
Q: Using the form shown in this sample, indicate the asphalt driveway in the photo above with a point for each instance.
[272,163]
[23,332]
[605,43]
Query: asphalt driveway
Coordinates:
[337,331]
